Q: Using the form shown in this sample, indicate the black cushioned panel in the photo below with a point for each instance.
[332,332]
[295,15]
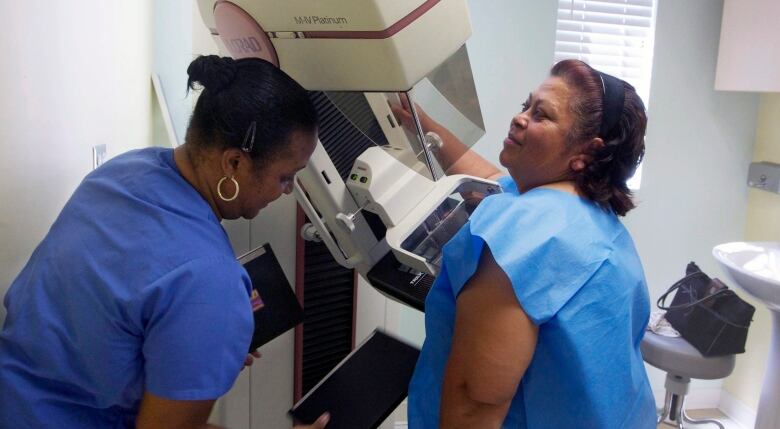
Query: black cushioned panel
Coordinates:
[365,388]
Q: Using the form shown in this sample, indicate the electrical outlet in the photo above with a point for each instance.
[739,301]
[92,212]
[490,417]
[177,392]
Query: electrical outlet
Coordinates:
[764,175]
[98,155]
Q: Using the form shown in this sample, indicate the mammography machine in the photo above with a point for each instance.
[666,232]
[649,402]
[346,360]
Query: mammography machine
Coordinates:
[373,190]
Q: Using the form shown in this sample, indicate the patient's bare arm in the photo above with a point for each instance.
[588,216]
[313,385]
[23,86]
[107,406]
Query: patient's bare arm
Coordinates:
[492,345]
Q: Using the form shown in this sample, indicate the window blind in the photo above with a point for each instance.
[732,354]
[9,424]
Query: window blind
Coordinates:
[613,36]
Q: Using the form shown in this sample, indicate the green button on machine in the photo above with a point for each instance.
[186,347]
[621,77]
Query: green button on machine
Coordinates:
[353,176]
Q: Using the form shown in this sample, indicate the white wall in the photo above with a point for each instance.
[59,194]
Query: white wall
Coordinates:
[173,43]
[699,145]
[762,225]
[72,77]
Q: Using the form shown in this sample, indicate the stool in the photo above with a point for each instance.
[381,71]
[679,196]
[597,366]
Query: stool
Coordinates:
[682,362]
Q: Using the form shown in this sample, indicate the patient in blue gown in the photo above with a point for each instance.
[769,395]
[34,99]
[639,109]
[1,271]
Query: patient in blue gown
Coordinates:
[536,318]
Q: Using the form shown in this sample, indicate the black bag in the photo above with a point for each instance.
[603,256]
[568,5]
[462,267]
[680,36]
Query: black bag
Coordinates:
[708,314]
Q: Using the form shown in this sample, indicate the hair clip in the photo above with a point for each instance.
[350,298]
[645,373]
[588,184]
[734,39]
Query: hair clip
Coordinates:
[249,138]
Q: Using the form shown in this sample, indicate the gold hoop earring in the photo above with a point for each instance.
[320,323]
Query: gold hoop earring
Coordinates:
[219,188]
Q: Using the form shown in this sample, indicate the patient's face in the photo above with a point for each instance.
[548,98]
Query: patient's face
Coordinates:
[535,151]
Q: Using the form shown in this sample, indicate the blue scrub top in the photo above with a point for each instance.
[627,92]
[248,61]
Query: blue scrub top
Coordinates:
[576,273]
[135,287]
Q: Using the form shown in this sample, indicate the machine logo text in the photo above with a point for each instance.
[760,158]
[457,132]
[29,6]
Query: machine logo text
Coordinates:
[246,45]
[321,20]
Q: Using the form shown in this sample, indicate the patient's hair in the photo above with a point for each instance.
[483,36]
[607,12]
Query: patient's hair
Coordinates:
[238,92]
[604,179]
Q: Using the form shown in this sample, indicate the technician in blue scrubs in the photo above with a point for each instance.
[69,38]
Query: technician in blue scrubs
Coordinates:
[133,310]
[536,318]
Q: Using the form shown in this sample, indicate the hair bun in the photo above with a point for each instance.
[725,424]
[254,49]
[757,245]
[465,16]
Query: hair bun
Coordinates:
[212,72]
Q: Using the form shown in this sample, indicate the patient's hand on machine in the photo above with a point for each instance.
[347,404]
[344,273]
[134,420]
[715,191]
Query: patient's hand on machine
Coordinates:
[453,156]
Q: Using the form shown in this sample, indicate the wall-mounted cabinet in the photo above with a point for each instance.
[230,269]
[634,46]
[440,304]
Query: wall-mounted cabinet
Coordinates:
[749,51]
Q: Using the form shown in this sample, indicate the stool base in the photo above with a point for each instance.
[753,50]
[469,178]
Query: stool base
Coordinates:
[673,414]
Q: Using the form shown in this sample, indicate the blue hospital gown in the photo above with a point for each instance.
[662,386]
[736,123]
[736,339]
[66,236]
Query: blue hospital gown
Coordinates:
[135,288]
[576,273]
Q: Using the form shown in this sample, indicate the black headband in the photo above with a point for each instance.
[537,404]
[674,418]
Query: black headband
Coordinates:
[614,97]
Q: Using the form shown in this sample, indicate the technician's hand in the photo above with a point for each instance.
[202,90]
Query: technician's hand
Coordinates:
[250,358]
[318,424]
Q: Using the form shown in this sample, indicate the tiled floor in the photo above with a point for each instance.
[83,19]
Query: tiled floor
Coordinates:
[705,414]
